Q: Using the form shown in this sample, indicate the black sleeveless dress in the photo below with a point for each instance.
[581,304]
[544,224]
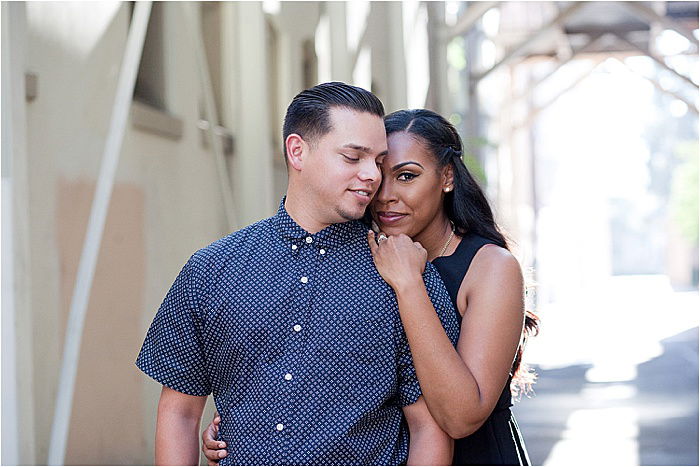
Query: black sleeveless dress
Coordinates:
[498,440]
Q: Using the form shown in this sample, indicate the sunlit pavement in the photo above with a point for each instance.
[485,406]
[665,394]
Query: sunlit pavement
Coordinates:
[618,381]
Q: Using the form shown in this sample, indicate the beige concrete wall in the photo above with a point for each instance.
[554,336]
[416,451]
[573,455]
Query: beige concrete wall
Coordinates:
[166,202]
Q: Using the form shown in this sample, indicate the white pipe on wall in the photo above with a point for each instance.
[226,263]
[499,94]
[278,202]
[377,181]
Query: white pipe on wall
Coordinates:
[95,229]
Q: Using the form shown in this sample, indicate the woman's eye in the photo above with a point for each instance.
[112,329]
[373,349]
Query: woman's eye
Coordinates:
[406,177]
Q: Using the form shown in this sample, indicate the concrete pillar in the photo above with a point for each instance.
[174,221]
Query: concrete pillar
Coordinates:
[340,56]
[247,109]
[438,98]
[472,121]
[295,23]
[17,355]
[388,57]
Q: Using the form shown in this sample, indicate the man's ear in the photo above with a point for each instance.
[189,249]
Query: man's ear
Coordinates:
[448,178]
[296,148]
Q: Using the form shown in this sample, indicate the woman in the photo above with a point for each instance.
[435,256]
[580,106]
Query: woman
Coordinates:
[428,197]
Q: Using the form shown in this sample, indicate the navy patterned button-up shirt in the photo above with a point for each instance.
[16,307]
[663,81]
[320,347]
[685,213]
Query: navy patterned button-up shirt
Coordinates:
[299,340]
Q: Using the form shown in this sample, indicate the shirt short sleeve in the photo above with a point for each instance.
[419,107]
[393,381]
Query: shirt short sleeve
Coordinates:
[409,389]
[172,352]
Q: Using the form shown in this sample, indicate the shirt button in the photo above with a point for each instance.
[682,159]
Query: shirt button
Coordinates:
[279,427]
[294,247]
[309,239]
[322,251]
[297,328]
[288,377]
[304,280]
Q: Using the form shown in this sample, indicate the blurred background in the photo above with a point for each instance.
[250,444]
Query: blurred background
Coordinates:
[580,119]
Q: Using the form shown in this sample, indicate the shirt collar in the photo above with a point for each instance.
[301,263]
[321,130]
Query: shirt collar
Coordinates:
[333,235]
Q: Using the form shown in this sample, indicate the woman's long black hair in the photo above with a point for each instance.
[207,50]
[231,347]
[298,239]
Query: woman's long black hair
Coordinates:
[466,205]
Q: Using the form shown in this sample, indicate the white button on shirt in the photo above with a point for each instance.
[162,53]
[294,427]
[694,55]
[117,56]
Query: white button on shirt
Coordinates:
[322,251]
[279,427]
[288,377]
[297,328]
[309,239]
[294,247]
[304,280]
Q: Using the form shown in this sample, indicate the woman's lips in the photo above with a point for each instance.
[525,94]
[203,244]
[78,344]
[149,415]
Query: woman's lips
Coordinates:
[389,217]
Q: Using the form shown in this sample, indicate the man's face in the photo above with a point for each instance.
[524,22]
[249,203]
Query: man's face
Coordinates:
[341,167]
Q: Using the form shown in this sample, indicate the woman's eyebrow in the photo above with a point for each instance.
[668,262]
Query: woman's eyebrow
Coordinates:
[402,164]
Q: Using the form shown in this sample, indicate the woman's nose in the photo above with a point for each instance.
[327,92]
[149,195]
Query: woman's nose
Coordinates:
[386,191]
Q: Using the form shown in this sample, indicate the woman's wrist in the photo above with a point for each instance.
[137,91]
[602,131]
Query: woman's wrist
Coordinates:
[408,284]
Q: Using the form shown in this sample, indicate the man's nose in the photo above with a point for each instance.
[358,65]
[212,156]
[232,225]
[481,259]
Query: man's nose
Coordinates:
[369,171]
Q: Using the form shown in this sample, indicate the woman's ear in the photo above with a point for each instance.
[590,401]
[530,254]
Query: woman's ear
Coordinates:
[296,148]
[448,178]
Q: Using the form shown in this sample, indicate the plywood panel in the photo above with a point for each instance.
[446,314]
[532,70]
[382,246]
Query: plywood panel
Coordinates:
[107,421]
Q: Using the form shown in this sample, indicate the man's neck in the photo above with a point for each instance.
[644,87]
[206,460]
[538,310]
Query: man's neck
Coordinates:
[303,212]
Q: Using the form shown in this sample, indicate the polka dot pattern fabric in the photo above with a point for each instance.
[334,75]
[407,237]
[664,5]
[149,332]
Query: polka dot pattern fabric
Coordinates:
[300,342]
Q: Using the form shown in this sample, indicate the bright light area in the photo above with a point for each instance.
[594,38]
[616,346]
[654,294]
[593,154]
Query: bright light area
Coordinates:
[669,42]
[322,44]
[490,22]
[271,7]
[362,74]
[54,21]
[600,162]
[598,436]
[356,22]
[415,36]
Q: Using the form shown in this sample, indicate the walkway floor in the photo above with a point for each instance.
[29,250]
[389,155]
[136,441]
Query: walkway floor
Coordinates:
[632,400]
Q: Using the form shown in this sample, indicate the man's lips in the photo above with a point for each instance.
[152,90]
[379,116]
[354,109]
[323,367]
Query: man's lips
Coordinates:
[364,195]
[390,217]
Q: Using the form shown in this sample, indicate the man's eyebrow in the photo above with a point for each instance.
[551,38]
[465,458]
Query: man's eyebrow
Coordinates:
[357,147]
[365,149]
[398,166]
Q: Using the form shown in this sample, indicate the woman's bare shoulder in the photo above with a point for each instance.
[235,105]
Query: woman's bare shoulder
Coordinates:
[494,264]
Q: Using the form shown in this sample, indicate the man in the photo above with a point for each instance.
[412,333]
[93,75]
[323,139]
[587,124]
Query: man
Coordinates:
[288,323]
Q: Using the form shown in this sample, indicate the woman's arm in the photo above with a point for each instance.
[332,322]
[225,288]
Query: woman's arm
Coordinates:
[461,386]
[429,445]
[213,450]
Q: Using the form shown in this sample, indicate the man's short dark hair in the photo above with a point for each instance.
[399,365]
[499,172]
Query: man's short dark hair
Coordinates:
[309,113]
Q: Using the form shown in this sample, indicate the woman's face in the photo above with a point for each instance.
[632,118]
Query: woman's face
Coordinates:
[410,197]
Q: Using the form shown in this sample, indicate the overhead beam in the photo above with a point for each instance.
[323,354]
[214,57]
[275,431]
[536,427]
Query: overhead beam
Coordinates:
[521,48]
[657,59]
[596,39]
[564,48]
[536,111]
[468,19]
[691,106]
[649,15]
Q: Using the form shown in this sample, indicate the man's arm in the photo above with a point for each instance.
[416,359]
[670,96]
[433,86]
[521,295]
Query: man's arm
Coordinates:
[177,428]
[428,444]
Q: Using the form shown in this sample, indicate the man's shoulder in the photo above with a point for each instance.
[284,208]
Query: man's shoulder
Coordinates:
[234,245]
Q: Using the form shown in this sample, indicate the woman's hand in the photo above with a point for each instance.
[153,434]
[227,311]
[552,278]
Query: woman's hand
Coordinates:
[399,260]
[213,450]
